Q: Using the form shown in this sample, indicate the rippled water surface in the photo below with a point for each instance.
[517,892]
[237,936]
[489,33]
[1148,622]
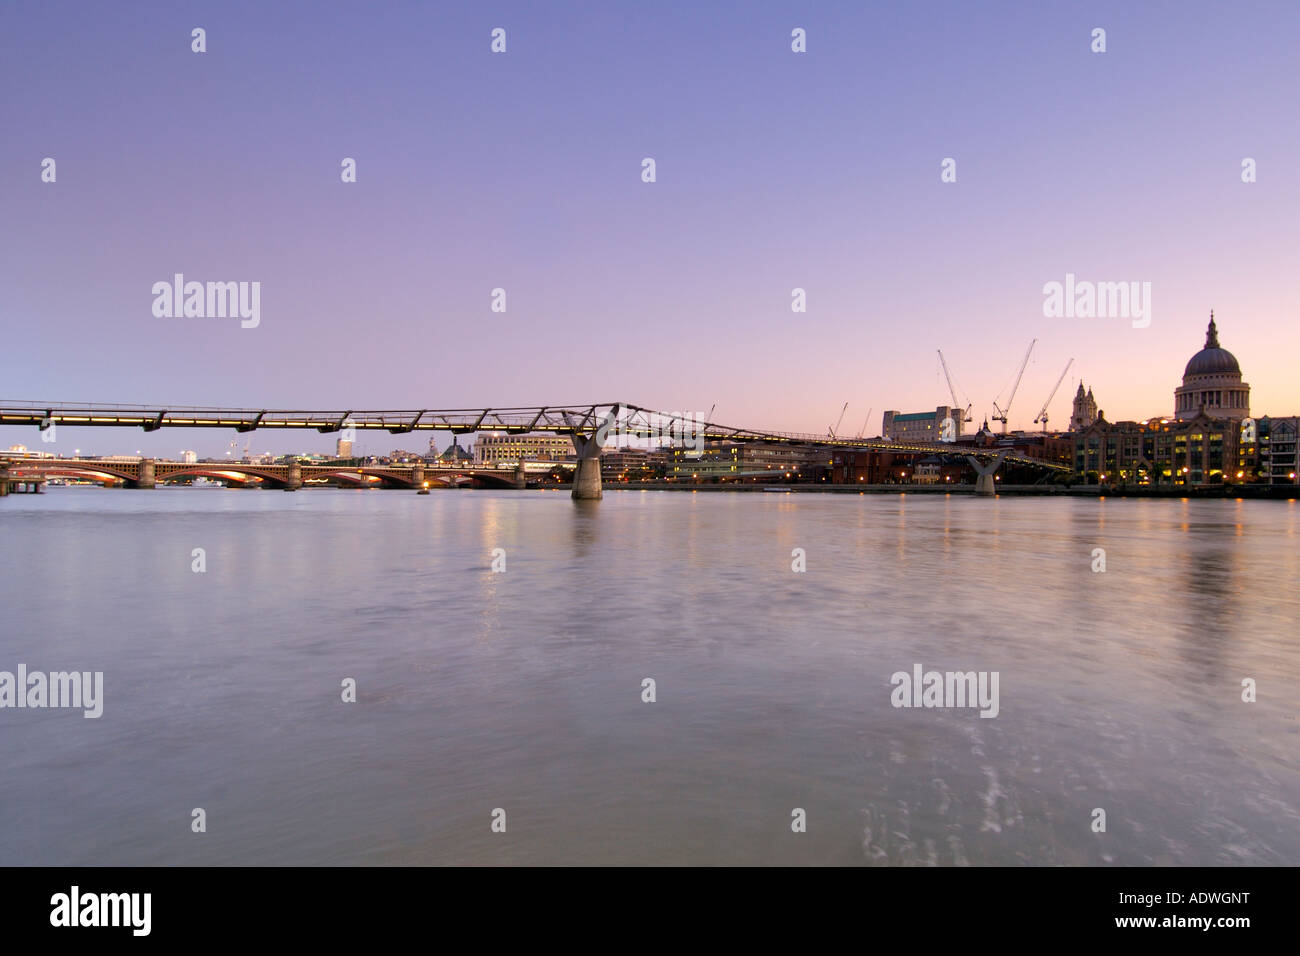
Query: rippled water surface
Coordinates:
[522,690]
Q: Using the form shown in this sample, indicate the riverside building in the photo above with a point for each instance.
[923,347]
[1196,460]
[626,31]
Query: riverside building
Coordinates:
[920,426]
[1210,439]
[747,461]
[509,449]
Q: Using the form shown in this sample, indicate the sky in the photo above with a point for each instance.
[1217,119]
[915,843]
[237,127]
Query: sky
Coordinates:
[523,171]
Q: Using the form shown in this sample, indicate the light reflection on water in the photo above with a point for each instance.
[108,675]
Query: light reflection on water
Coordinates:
[522,690]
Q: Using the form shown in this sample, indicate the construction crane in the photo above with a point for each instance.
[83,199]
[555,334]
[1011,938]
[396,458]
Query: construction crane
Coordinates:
[952,389]
[838,420]
[1001,415]
[1042,416]
[866,422]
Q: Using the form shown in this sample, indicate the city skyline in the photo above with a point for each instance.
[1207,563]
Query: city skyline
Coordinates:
[372,444]
[776,171]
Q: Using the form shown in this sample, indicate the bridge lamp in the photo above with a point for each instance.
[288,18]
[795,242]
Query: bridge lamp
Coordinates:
[1240,473]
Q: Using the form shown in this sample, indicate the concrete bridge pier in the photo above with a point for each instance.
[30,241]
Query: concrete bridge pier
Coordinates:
[417,475]
[984,483]
[586,476]
[148,477]
[521,478]
[294,481]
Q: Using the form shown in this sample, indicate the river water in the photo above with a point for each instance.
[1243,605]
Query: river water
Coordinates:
[522,690]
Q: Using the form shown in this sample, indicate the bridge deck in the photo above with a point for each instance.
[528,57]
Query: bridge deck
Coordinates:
[613,417]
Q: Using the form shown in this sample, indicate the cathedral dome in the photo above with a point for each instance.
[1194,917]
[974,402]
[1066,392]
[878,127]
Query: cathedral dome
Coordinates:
[1212,360]
[1212,384]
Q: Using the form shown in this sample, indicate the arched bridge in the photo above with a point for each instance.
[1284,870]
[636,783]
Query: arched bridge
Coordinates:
[148,472]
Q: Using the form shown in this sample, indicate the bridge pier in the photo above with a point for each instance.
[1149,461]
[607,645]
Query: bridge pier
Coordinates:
[417,475]
[984,483]
[294,481]
[521,478]
[586,476]
[147,477]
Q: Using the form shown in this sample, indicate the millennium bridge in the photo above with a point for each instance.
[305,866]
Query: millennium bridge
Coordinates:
[589,426]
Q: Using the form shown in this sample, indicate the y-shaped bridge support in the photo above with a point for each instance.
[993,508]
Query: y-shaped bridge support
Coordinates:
[586,475]
[984,481]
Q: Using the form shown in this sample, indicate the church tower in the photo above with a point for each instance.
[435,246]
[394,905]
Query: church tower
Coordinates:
[1085,410]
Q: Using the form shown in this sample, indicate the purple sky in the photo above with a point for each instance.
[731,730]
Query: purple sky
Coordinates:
[523,171]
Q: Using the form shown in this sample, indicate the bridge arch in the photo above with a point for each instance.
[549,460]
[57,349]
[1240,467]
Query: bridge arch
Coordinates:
[241,474]
[104,475]
[356,478]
